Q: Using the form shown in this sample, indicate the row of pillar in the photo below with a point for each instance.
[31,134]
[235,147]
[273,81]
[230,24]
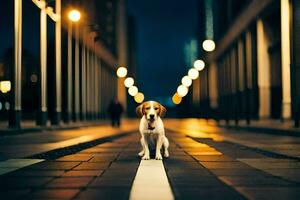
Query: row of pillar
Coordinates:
[242,89]
[83,93]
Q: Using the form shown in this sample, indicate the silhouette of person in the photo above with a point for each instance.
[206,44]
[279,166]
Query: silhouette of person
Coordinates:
[115,109]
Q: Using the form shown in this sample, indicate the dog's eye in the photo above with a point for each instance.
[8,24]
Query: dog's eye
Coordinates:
[155,108]
[148,108]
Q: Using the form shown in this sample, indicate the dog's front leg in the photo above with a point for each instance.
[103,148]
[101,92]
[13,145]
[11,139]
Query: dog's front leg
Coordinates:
[146,149]
[158,148]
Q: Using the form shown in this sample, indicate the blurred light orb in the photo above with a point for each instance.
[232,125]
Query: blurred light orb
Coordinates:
[128,82]
[5,86]
[139,97]
[199,65]
[7,105]
[176,99]
[74,15]
[209,45]
[193,73]
[182,90]
[121,72]
[133,90]
[0,106]
[186,81]
[33,78]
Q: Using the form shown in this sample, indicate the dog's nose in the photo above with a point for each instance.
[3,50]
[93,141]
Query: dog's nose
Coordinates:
[151,116]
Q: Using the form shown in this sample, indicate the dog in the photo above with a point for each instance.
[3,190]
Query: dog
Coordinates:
[152,129]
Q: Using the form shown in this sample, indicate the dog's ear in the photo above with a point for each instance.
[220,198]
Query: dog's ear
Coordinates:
[139,110]
[162,111]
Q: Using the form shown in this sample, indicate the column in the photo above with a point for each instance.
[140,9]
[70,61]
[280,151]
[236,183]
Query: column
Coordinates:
[263,71]
[15,112]
[83,79]
[285,58]
[77,85]
[69,113]
[57,114]
[213,84]
[122,50]
[295,67]
[42,115]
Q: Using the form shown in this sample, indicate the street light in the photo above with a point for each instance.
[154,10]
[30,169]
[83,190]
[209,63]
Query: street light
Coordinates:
[176,98]
[199,65]
[186,81]
[182,90]
[74,15]
[128,82]
[193,73]
[139,97]
[133,90]
[209,45]
[121,72]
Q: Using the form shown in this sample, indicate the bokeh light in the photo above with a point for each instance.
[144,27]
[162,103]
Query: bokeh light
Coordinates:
[139,97]
[176,99]
[128,82]
[209,45]
[193,73]
[199,65]
[186,81]
[74,15]
[121,72]
[182,90]
[133,90]
[5,86]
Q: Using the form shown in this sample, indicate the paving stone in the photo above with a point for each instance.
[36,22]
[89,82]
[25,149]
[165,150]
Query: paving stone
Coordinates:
[54,165]
[238,172]
[101,150]
[36,173]
[53,194]
[211,193]
[254,181]
[80,173]
[270,193]
[103,158]
[80,158]
[92,166]
[114,193]
[112,182]
[28,182]
[69,182]
[214,158]
[225,165]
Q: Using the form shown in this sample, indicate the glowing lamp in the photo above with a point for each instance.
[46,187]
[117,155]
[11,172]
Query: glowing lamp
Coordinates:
[182,90]
[5,86]
[133,90]
[74,15]
[199,65]
[139,97]
[128,82]
[186,81]
[121,72]
[193,73]
[209,45]
[176,99]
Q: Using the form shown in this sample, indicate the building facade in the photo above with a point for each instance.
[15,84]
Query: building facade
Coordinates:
[254,71]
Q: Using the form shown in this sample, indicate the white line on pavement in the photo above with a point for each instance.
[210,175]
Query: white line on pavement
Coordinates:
[151,182]
[14,164]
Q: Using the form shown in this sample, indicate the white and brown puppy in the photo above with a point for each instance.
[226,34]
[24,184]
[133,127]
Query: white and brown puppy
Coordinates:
[152,129]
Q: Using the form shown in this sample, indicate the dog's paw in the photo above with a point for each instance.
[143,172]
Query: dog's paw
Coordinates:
[141,153]
[146,157]
[166,154]
[158,157]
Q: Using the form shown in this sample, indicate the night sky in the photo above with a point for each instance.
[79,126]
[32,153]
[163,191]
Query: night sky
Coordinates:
[163,26]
